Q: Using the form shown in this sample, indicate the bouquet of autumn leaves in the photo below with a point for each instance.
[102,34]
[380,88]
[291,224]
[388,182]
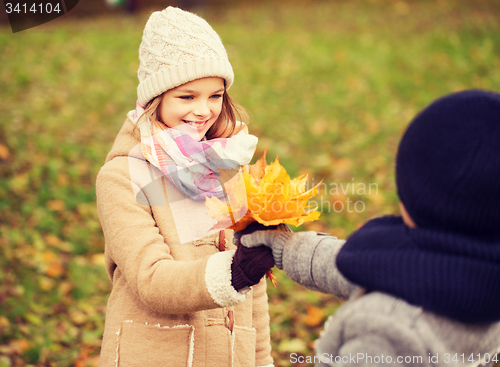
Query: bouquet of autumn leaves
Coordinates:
[268,196]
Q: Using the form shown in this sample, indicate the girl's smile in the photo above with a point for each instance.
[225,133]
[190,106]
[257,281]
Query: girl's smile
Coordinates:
[198,124]
[193,107]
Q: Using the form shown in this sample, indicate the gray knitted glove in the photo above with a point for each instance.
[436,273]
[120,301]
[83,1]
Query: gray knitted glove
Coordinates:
[272,237]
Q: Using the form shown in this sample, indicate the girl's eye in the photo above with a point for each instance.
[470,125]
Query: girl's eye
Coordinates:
[186,97]
[216,96]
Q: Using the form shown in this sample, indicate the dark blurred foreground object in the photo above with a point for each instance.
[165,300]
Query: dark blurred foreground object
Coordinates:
[130,6]
[190,4]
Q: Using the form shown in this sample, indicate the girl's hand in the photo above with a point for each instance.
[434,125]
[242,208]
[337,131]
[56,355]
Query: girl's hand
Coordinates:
[250,264]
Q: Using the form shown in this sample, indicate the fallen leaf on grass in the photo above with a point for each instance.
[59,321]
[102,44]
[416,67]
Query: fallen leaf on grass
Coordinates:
[54,267]
[4,152]
[55,205]
[314,316]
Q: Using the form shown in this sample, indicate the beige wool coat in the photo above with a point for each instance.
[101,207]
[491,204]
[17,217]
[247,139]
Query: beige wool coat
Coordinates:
[172,303]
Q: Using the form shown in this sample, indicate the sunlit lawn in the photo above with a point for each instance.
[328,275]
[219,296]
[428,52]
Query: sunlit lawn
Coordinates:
[330,87]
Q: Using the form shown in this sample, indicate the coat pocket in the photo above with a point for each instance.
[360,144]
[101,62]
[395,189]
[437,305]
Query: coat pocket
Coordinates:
[142,345]
[244,342]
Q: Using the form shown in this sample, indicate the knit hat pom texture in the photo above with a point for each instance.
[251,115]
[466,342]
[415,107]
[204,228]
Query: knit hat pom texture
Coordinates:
[178,47]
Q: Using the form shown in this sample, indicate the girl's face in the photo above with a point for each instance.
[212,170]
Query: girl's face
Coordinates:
[193,107]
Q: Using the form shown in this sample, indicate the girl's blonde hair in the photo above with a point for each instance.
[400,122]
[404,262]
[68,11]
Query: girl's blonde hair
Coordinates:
[225,126]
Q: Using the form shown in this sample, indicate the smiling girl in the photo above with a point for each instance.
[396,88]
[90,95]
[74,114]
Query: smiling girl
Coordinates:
[182,294]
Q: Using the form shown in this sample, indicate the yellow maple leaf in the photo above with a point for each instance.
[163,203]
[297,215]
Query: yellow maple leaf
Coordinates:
[267,195]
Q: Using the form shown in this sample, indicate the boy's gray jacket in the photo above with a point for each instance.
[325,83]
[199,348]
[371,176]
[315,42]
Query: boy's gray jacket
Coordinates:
[376,328]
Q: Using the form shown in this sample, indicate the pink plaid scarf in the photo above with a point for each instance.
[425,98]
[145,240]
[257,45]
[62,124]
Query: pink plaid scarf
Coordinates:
[191,165]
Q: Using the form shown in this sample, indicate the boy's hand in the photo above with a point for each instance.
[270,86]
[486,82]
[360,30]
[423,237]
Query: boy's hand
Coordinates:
[253,227]
[273,237]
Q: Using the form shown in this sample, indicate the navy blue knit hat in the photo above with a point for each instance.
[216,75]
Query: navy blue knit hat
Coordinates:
[448,178]
[448,165]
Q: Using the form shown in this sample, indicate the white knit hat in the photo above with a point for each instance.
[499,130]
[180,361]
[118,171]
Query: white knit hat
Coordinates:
[178,47]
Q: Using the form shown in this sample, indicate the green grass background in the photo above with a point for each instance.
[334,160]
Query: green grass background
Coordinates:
[330,87]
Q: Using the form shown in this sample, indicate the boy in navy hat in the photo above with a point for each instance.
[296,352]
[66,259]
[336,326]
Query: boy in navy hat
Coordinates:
[423,288]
